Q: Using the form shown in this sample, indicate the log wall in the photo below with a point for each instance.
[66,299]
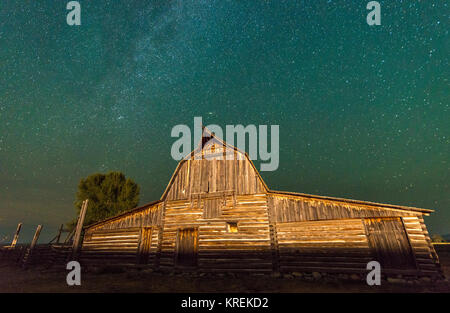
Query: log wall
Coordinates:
[425,255]
[218,250]
[106,247]
[323,246]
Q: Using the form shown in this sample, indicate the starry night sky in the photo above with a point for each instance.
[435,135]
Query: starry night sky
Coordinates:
[363,111]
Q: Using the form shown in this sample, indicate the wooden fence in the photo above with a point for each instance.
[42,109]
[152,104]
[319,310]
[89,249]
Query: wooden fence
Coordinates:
[53,253]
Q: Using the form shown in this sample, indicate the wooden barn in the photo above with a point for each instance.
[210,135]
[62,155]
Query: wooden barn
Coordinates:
[218,215]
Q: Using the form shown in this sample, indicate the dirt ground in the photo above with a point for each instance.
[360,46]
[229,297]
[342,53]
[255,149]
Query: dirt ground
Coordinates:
[13,279]
[35,279]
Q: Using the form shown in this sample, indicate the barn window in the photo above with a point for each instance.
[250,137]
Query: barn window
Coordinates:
[232,227]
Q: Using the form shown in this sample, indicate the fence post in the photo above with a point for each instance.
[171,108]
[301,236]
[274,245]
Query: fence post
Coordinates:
[28,254]
[77,236]
[36,237]
[59,233]
[16,236]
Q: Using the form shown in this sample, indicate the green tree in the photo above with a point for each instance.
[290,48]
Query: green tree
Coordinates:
[109,194]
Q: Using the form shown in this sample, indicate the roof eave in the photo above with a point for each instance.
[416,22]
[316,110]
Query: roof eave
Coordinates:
[142,207]
[352,201]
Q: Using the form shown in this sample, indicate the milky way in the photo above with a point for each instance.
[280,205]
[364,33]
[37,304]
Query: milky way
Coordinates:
[363,111]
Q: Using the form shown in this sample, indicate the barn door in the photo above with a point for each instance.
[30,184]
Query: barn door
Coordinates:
[389,242]
[145,244]
[186,247]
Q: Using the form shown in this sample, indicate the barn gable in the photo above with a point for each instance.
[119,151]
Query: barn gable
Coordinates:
[214,168]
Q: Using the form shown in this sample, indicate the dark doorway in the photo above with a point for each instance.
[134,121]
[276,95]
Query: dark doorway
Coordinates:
[145,245]
[186,247]
[389,242]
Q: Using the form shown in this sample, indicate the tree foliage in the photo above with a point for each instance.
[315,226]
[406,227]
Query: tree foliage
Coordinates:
[108,194]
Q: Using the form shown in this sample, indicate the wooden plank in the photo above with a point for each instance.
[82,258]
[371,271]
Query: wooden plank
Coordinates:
[35,237]
[389,242]
[79,228]
[187,247]
[16,236]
